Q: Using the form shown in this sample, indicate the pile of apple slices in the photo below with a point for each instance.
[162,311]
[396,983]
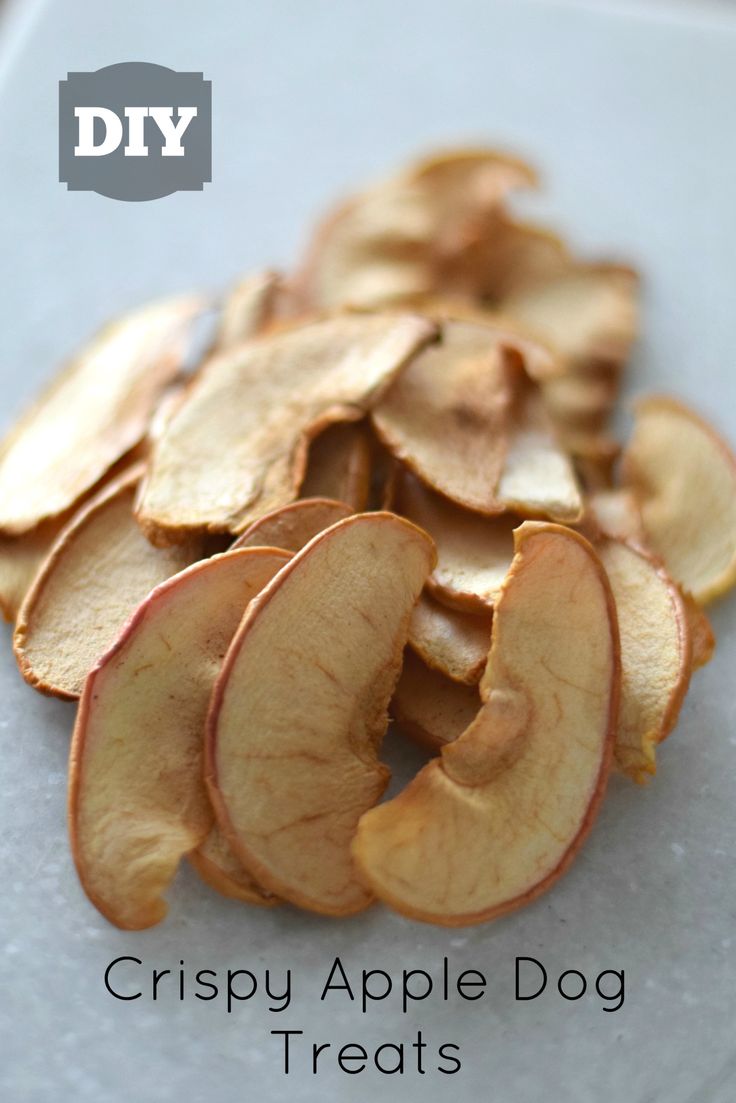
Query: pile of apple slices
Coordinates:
[386,486]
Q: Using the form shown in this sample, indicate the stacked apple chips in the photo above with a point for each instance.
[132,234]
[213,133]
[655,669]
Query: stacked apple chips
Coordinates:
[388,488]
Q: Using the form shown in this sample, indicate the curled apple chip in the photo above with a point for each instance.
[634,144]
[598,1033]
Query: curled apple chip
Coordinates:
[293,526]
[237,447]
[656,654]
[218,867]
[474,552]
[246,308]
[453,642]
[80,427]
[413,235]
[429,707]
[466,419]
[97,572]
[137,799]
[297,716]
[615,512]
[339,465]
[20,558]
[684,477]
[500,815]
[587,312]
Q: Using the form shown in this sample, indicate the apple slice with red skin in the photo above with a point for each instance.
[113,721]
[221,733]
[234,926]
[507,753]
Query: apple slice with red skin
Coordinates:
[301,706]
[137,798]
[500,815]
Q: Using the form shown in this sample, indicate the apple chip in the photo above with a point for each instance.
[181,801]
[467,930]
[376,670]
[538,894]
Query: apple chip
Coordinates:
[80,426]
[300,708]
[246,309]
[137,799]
[339,465]
[412,235]
[616,513]
[701,632]
[237,448]
[501,814]
[453,642]
[656,654]
[430,708]
[216,864]
[465,418]
[474,552]
[20,558]
[684,477]
[586,312]
[97,572]
[293,526]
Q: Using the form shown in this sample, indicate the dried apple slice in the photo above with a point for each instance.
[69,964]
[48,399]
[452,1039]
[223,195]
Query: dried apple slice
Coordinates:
[339,465]
[96,574]
[237,448]
[656,654]
[430,708]
[684,477]
[293,526]
[615,513]
[20,559]
[464,417]
[474,552]
[297,716]
[218,867]
[587,312]
[247,307]
[701,632]
[137,800]
[453,642]
[411,235]
[501,814]
[79,428]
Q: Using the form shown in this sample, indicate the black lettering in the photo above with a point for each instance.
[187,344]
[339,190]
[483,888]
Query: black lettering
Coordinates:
[344,1056]
[231,993]
[330,987]
[572,973]
[316,1050]
[462,984]
[110,968]
[407,993]
[157,975]
[448,1057]
[284,998]
[367,994]
[206,984]
[543,971]
[419,1045]
[287,1034]
[398,1050]
[619,995]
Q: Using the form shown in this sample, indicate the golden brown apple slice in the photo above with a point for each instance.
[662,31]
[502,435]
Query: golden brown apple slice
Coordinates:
[701,632]
[587,312]
[474,552]
[453,642]
[339,465]
[684,477]
[413,235]
[80,427]
[429,707]
[20,558]
[298,713]
[216,864]
[465,418]
[137,799]
[616,513]
[96,574]
[293,526]
[246,308]
[501,814]
[237,447]
[656,654]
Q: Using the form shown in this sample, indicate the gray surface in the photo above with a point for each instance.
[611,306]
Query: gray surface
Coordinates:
[629,119]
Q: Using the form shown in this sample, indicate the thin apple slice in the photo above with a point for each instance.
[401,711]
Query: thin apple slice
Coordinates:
[96,574]
[453,642]
[465,418]
[293,526]
[684,477]
[616,513]
[501,814]
[474,552]
[701,632]
[137,799]
[413,235]
[78,428]
[297,716]
[587,312]
[339,465]
[429,707]
[218,867]
[246,309]
[237,447]
[20,558]
[656,654]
